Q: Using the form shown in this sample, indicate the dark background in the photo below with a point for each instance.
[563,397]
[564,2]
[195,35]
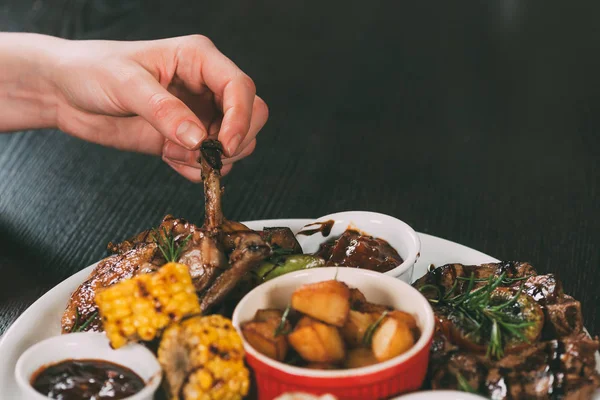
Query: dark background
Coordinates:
[471,121]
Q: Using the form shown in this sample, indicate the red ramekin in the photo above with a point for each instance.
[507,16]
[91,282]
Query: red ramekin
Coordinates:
[401,374]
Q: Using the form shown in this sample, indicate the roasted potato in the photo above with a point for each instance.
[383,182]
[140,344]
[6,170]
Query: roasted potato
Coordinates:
[391,338]
[261,336]
[327,301]
[267,314]
[366,307]
[404,317]
[317,342]
[355,327]
[360,357]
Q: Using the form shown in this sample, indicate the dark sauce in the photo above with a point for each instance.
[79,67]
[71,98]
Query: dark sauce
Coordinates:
[323,227]
[86,379]
[357,250]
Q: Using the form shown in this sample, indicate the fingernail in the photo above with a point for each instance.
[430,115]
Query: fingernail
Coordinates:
[190,134]
[233,145]
[175,152]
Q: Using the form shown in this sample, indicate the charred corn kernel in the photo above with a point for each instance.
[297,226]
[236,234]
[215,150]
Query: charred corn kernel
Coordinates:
[139,308]
[203,358]
[217,380]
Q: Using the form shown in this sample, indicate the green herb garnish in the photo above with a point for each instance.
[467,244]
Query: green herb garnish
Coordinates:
[463,384]
[370,331]
[280,330]
[168,245]
[474,307]
[76,327]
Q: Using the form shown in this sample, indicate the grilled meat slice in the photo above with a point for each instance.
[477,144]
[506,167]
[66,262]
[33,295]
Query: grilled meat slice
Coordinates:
[545,289]
[564,317]
[81,306]
[557,369]
[455,370]
[204,257]
[249,251]
[446,275]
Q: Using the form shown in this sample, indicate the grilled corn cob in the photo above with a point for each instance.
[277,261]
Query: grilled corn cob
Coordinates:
[139,308]
[203,358]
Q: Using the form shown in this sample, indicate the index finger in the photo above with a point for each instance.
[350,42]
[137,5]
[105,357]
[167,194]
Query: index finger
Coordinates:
[201,64]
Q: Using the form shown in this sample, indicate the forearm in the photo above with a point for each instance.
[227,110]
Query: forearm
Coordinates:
[28,97]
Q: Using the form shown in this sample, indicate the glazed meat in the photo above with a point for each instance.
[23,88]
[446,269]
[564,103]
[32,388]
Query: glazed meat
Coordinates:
[204,250]
[446,275]
[81,307]
[561,365]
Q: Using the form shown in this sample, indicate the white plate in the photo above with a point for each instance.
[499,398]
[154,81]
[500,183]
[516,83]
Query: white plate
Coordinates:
[42,319]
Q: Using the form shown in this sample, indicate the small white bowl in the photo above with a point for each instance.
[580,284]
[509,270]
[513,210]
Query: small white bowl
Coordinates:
[440,395]
[402,373]
[397,233]
[87,345]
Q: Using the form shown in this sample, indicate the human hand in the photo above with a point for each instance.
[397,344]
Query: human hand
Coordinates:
[160,97]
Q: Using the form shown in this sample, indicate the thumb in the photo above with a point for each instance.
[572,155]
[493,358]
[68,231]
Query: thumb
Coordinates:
[165,112]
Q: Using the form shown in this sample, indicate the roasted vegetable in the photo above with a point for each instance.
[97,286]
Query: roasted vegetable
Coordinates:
[203,358]
[139,308]
[317,342]
[262,335]
[391,338]
[267,314]
[360,357]
[327,301]
[355,327]
[507,308]
[281,238]
[281,265]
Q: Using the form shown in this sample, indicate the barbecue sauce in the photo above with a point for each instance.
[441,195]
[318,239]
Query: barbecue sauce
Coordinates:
[357,250]
[323,227]
[86,379]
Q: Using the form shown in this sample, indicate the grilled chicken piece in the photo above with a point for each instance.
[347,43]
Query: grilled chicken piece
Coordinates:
[250,250]
[203,252]
[81,306]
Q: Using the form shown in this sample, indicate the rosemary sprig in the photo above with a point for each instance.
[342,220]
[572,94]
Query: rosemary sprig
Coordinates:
[168,245]
[76,327]
[280,330]
[87,322]
[463,384]
[482,318]
[77,316]
[370,331]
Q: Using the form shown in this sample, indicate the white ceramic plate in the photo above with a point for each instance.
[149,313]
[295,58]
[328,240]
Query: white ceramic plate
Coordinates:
[42,319]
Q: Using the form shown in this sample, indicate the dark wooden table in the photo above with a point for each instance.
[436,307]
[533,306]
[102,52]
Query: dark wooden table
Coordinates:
[475,122]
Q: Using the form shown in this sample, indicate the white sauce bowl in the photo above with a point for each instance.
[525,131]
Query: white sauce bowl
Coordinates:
[87,345]
[397,233]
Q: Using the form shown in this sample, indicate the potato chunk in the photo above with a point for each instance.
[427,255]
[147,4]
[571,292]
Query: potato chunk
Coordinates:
[366,307]
[355,327]
[317,342]
[327,301]
[267,314]
[392,338]
[261,336]
[360,357]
